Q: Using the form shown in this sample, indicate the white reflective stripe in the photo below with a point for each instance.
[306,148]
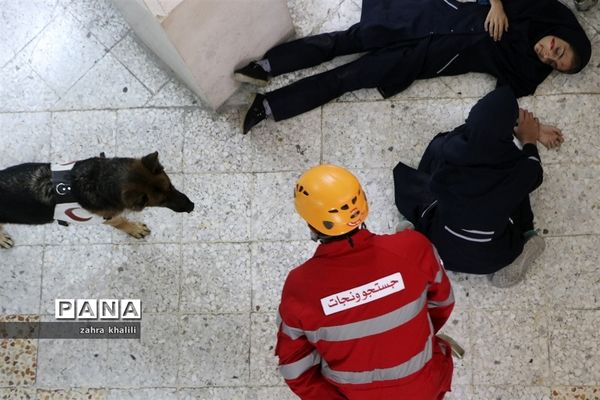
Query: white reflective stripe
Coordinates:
[415,364]
[428,208]
[511,221]
[443,303]
[361,329]
[450,4]
[431,330]
[449,62]
[278,319]
[437,256]
[438,277]
[440,273]
[297,368]
[466,237]
[534,158]
[480,232]
[293,333]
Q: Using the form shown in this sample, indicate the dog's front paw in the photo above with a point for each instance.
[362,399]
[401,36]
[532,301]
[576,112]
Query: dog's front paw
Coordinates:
[6,241]
[138,230]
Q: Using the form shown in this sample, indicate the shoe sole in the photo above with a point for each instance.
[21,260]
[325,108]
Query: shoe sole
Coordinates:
[246,79]
[533,248]
[244,118]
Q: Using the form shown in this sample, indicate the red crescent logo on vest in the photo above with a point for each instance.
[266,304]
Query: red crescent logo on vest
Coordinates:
[69,213]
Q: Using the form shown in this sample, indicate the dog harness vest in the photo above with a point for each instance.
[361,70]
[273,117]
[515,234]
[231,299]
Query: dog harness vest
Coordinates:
[67,210]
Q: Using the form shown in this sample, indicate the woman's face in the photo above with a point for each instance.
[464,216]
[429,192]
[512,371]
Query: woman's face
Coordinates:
[555,52]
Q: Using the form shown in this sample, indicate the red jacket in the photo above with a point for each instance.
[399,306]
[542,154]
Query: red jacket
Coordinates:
[359,322]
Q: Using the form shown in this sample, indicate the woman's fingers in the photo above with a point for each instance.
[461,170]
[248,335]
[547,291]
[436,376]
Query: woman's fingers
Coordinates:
[503,28]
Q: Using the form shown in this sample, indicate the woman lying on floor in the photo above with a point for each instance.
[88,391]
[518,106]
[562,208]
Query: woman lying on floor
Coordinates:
[470,193]
[405,40]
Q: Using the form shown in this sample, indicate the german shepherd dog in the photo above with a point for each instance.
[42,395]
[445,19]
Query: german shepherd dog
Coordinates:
[103,186]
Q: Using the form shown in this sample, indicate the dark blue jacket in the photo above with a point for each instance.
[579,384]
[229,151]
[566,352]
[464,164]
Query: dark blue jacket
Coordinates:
[446,28]
[470,194]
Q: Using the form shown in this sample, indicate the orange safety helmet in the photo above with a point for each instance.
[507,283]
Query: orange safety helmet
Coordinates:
[331,200]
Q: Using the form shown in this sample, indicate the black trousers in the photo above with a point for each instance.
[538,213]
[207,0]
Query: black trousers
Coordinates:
[402,63]
[314,91]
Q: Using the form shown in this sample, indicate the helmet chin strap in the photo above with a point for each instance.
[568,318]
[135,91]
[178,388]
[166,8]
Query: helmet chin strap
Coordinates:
[317,236]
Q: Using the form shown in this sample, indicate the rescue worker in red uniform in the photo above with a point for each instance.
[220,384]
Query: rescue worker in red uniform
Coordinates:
[358,321]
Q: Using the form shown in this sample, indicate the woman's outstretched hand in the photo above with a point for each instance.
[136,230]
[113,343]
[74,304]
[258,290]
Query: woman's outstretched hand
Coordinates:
[496,22]
[550,136]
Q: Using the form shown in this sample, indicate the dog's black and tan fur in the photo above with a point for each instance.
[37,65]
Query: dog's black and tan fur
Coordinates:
[103,186]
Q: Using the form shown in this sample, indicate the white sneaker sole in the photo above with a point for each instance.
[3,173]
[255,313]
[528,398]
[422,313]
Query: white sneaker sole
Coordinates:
[532,249]
[246,79]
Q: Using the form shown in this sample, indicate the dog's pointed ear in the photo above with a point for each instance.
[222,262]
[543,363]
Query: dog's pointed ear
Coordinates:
[135,200]
[152,164]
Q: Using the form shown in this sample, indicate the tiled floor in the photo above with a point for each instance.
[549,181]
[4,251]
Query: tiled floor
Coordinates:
[74,82]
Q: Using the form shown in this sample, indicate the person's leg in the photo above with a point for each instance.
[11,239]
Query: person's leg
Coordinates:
[311,92]
[314,91]
[534,245]
[522,216]
[313,50]
[368,71]
[299,54]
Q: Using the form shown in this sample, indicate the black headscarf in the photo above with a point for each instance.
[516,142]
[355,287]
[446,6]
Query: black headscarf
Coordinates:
[514,61]
[550,17]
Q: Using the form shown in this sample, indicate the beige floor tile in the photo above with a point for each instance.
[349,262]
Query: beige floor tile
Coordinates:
[17,394]
[576,393]
[19,356]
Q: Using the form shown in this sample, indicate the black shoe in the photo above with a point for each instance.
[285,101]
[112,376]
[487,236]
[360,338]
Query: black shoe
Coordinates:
[255,113]
[252,73]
